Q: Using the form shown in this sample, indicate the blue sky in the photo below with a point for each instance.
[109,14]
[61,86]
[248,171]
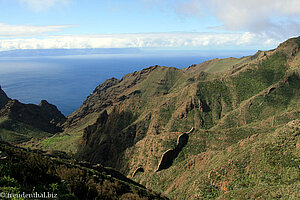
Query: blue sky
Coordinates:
[160,24]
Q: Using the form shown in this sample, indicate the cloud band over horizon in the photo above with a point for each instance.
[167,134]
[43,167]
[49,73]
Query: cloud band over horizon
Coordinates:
[144,40]
[179,24]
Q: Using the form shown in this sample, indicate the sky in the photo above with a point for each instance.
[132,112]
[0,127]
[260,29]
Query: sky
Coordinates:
[152,24]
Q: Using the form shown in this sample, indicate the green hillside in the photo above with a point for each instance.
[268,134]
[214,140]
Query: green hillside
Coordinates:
[16,132]
[244,114]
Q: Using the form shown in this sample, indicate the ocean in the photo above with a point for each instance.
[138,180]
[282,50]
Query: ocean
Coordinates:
[66,81]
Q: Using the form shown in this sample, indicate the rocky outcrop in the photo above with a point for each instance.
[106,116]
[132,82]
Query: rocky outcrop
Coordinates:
[45,116]
[289,47]
[3,98]
[140,169]
[88,131]
[50,111]
[169,156]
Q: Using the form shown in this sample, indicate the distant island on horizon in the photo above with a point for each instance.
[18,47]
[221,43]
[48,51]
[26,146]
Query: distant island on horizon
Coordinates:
[106,51]
[66,52]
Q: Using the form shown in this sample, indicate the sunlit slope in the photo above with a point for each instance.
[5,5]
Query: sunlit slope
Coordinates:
[130,123]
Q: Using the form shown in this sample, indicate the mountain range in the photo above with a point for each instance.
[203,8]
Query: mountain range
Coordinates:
[223,129]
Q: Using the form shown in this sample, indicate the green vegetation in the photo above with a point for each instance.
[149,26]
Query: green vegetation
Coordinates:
[243,170]
[237,152]
[258,77]
[16,132]
[62,142]
[27,171]
[223,64]
[216,100]
[245,144]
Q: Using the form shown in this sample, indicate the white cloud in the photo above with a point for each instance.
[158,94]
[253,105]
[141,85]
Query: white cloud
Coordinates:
[42,5]
[255,15]
[153,40]
[277,18]
[280,19]
[7,30]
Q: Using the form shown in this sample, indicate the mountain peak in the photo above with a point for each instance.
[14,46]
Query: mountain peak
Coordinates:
[289,47]
[45,117]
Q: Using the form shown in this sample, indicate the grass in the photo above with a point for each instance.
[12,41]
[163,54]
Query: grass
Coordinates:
[63,142]
[282,99]
[258,77]
[15,132]
[223,64]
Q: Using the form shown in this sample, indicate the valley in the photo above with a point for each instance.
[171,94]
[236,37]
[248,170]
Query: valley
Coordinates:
[223,129]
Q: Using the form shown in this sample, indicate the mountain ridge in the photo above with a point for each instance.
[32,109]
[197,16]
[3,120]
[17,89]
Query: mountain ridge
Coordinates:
[21,122]
[239,108]
[246,96]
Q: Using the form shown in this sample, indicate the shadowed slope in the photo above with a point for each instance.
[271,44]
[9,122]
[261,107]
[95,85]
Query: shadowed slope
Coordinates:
[28,171]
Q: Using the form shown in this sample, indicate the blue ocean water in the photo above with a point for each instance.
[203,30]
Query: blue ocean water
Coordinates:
[66,81]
